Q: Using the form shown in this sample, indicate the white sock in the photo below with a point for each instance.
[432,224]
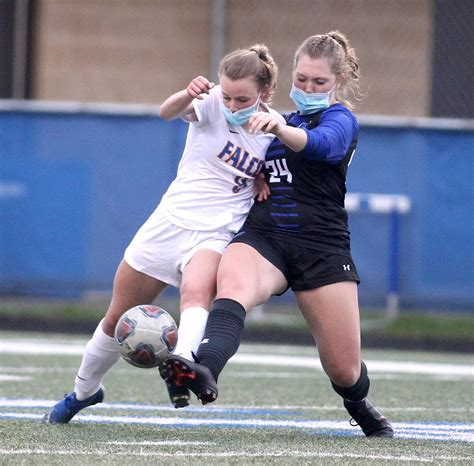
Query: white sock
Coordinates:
[100,355]
[192,324]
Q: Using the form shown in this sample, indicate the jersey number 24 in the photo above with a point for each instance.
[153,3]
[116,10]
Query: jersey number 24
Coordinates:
[277,169]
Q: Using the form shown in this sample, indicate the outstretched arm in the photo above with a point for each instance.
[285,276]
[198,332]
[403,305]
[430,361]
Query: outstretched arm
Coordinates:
[294,138]
[179,105]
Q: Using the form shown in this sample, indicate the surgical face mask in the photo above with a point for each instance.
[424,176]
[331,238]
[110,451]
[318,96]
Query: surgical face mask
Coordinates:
[240,117]
[310,102]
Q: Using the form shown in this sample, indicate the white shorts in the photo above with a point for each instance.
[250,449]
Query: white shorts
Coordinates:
[161,250]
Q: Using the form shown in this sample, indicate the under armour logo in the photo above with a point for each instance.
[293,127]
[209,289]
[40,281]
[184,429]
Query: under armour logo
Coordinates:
[346,267]
[206,340]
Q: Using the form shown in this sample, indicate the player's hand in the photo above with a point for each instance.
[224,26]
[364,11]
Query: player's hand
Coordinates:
[264,122]
[262,188]
[198,86]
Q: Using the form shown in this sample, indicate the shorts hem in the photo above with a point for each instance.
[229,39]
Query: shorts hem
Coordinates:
[328,281]
[214,246]
[139,268]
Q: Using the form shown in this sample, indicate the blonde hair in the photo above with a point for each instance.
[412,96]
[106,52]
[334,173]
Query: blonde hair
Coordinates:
[254,61]
[336,47]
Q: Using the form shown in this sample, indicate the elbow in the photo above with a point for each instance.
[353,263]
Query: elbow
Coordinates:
[165,114]
[296,147]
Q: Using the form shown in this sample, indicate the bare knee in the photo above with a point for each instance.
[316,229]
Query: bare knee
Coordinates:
[195,294]
[247,294]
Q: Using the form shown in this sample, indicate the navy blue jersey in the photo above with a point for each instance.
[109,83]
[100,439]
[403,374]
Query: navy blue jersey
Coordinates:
[308,188]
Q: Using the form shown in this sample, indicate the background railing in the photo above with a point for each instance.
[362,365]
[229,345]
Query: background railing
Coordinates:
[76,182]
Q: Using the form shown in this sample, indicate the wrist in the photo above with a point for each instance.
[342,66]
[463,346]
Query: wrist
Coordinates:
[278,131]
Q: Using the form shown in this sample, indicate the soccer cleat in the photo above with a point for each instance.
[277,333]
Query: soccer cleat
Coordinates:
[373,423]
[179,396]
[176,370]
[66,409]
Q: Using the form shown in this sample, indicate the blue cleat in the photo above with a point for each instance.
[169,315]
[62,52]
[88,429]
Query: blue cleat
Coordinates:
[66,409]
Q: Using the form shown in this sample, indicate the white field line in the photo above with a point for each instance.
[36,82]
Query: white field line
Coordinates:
[33,403]
[36,370]
[170,443]
[222,408]
[40,348]
[235,454]
[434,431]
[9,371]
[13,378]
[404,367]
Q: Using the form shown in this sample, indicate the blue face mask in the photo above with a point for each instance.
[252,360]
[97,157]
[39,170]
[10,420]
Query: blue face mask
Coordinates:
[310,102]
[240,117]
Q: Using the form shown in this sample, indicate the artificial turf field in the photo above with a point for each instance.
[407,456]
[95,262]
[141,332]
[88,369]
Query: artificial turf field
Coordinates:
[275,407]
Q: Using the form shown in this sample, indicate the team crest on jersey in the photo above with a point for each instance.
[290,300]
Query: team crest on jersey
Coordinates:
[240,159]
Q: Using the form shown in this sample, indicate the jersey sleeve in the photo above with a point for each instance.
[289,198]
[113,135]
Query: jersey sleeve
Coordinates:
[330,140]
[208,109]
[280,117]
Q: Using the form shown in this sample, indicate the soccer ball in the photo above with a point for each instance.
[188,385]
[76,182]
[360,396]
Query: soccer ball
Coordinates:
[146,334]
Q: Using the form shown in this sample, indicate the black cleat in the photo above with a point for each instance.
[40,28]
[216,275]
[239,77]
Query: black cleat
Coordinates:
[178,371]
[179,396]
[373,423]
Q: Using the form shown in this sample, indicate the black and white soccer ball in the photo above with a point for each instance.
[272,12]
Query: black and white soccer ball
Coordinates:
[146,335]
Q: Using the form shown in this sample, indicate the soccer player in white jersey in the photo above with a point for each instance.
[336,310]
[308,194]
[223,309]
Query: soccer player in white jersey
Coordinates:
[182,241]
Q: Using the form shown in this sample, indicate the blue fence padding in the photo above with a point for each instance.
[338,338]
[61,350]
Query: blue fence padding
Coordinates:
[75,187]
[89,182]
[435,169]
[44,236]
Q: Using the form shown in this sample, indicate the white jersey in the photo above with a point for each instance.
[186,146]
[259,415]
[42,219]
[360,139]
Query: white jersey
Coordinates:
[214,184]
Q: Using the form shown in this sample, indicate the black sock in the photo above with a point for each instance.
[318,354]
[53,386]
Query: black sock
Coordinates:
[359,390]
[222,335]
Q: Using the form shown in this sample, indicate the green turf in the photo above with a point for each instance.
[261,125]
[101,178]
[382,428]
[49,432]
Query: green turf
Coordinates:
[419,325]
[437,326]
[285,393]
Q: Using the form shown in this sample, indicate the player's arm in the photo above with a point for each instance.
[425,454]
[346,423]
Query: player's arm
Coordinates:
[294,138]
[179,105]
[261,188]
[331,139]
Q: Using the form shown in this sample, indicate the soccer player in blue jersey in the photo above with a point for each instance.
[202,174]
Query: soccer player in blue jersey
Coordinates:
[298,237]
